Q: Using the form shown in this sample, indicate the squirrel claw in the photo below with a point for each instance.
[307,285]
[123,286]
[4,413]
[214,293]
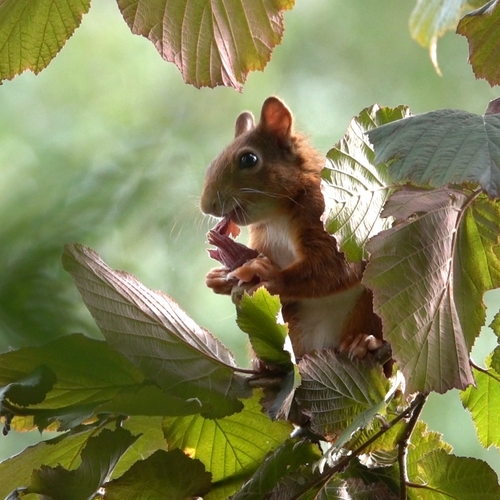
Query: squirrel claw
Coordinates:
[360,345]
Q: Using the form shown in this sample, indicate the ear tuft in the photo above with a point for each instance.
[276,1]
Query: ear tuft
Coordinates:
[244,123]
[276,117]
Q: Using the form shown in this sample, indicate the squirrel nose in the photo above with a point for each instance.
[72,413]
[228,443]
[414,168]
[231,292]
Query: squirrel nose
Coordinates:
[210,206]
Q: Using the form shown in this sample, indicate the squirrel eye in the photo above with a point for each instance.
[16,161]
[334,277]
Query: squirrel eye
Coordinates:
[248,160]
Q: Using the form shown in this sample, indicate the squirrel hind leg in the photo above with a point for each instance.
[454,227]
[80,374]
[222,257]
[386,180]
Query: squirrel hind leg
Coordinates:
[358,346]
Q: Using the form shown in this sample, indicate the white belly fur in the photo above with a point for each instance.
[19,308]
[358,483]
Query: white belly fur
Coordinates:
[321,320]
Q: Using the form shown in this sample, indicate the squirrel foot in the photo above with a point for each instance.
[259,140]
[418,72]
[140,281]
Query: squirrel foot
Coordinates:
[360,345]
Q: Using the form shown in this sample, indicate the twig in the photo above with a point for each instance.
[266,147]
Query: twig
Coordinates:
[416,405]
[405,441]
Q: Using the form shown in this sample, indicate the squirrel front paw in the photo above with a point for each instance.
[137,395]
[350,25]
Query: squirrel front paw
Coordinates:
[260,271]
[219,281]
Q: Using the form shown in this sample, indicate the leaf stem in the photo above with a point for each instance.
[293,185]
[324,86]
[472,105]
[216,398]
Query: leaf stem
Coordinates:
[486,371]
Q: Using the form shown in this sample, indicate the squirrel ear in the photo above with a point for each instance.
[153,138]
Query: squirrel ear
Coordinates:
[276,117]
[244,123]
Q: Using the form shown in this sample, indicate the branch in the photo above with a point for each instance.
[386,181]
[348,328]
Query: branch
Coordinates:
[415,407]
[404,441]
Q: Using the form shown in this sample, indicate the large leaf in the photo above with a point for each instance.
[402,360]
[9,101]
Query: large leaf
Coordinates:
[152,331]
[231,448]
[429,274]
[214,42]
[355,189]
[476,267]
[336,391]
[73,392]
[430,19]
[32,32]
[442,147]
[481,29]
[418,277]
[448,476]
[483,402]
[423,442]
[172,473]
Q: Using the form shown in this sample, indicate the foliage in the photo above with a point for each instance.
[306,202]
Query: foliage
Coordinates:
[217,43]
[160,409]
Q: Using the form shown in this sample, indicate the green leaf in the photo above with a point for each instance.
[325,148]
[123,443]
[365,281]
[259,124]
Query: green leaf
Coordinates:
[172,473]
[336,391]
[32,32]
[483,402]
[442,147]
[150,439]
[481,29]
[231,448]
[476,266]
[65,450]
[151,330]
[385,445]
[448,476]
[257,316]
[355,189]
[430,19]
[428,275]
[99,457]
[423,442]
[113,385]
[211,42]
[285,463]
[16,471]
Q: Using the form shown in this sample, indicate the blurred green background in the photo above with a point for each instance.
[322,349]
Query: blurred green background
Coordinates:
[108,147]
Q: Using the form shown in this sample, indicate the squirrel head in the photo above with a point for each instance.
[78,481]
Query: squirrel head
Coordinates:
[263,171]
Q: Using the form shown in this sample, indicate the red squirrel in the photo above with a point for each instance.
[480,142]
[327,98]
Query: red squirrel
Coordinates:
[269,179]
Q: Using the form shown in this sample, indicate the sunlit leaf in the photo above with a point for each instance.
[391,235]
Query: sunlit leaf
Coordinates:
[231,448]
[99,457]
[448,476]
[442,147]
[151,330]
[32,32]
[355,189]
[423,442]
[483,402]
[423,276]
[430,19]
[257,316]
[335,391]
[481,29]
[477,264]
[150,439]
[172,473]
[211,42]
